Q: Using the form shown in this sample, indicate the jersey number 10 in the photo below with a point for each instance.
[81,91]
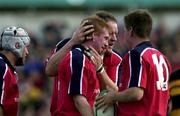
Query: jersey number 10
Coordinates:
[161,66]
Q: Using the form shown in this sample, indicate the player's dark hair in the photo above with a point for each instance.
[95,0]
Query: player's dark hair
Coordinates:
[106,16]
[140,21]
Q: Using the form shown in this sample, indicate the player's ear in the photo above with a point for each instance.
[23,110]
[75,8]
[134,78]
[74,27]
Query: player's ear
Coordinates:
[94,35]
[130,32]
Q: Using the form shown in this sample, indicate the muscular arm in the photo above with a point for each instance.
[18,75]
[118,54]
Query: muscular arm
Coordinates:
[51,67]
[128,95]
[104,78]
[78,37]
[82,105]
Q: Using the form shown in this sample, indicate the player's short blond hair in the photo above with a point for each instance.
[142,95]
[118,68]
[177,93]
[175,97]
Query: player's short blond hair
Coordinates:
[98,24]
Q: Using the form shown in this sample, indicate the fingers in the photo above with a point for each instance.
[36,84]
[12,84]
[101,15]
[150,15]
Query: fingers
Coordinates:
[96,55]
[84,23]
[86,49]
[82,32]
[87,27]
[88,31]
[94,51]
[105,108]
[88,38]
[88,53]
[92,58]
[100,102]
[99,98]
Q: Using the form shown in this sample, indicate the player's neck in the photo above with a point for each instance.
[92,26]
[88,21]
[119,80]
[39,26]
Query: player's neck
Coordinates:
[88,44]
[10,56]
[138,40]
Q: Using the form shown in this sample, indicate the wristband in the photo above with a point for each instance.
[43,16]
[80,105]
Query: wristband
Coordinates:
[100,69]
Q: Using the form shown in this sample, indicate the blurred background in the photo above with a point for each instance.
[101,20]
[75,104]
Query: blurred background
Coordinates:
[49,21]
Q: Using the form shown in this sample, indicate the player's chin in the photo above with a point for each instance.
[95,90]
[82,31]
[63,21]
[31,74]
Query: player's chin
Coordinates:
[108,52]
[102,52]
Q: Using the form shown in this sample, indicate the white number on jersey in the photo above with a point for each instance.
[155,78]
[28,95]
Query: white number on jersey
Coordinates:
[162,83]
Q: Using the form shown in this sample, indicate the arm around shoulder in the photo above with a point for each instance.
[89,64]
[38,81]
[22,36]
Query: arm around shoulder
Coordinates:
[52,64]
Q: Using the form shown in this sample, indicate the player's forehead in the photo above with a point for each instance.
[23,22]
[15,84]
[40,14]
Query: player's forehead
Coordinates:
[113,25]
[105,32]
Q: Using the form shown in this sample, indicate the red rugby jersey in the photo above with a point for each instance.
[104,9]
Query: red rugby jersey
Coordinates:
[53,106]
[54,97]
[112,66]
[76,75]
[111,63]
[147,68]
[9,93]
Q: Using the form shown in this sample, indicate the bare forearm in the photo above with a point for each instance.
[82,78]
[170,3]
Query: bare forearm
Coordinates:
[130,95]
[107,81]
[78,37]
[82,105]
[85,111]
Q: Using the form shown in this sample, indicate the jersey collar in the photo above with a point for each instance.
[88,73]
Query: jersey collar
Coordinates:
[83,49]
[148,43]
[7,61]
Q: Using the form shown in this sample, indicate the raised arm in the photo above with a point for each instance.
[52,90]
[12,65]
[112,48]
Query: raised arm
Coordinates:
[101,72]
[79,36]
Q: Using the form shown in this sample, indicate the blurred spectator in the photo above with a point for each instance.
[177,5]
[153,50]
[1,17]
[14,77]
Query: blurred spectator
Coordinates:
[175,93]
[176,50]
[162,36]
[168,42]
[34,89]
[52,33]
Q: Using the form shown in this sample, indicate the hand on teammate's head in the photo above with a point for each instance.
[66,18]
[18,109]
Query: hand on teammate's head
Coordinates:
[83,32]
